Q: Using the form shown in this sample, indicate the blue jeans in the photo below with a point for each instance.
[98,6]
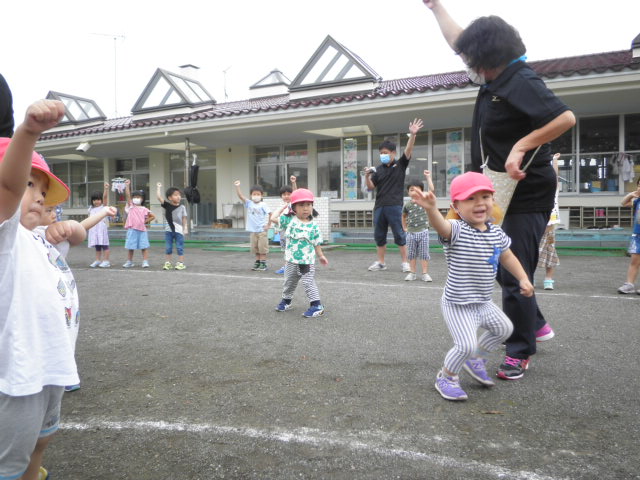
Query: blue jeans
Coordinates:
[169,237]
[385,217]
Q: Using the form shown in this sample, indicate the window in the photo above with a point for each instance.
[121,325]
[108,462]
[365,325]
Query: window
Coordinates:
[567,166]
[599,143]
[275,164]
[329,168]
[599,134]
[82,177]
[451,157]
[136,170]
[632,132]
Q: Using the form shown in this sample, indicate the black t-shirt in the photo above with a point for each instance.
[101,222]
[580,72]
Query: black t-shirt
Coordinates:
[168,213]
[6,109]
[389,182]
[507,109]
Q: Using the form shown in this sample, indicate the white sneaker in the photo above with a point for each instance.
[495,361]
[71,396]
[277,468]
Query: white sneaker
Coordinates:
[105,264]
[406,267]
[377,266]
[128,264]
[426,277]
[145,264]
[411,276]
[95,264]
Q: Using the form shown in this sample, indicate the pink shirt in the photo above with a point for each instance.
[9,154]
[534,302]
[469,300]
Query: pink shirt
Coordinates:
[136,215]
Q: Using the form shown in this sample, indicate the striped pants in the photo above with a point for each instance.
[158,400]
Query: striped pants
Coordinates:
[463,322]
[293,272]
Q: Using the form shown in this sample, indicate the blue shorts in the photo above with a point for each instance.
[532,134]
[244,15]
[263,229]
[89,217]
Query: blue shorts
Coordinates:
[169,237]
[136,240]
[385,217]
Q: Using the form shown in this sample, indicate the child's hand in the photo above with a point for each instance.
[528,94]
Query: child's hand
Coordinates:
[159,185]
[526,289]
[424,199]
[427,174]
[556,156]
[106,185]
[415,126]
[58,232]
[237,183]
[323,260]
[292,179]
[127,182]
[111,211]
[43,115]
[185,231]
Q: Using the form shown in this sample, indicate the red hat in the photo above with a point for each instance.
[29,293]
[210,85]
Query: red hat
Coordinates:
[301,195]
[58,192]
[465,185]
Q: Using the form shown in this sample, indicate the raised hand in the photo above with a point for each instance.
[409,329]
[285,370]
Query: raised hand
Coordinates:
[43,115]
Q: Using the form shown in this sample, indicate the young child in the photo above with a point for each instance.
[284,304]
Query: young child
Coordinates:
[176,227]
[303,245]
[633,200]
[285,196]
[99,234]
[136,225]
[38,301]
[473,247]
[258,222]
[416,225]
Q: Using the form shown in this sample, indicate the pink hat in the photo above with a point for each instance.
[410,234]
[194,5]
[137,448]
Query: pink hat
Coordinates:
[465,185]
[58,192]
[301,195]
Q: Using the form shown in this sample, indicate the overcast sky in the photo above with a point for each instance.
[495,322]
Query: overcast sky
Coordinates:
[68,46]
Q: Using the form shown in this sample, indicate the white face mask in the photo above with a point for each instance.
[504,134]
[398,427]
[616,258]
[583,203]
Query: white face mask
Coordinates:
[256,198]
[475,77]
[137,201]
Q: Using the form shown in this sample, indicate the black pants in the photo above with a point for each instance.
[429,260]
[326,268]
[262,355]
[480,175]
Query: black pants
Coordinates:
[525,230]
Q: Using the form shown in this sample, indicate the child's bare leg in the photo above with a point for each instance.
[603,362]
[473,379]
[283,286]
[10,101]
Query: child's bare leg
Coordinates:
[549,273]
[634,266]
[130,255]
[412,265]
[425,266]
[106,253]
[98,255]
[36,459]
[181,258]
[262,257]
[145,254]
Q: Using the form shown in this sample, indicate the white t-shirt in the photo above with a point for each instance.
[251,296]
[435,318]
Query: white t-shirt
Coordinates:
[39,313]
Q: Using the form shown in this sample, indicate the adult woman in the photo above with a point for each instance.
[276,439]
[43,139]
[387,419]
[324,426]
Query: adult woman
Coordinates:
[514,114]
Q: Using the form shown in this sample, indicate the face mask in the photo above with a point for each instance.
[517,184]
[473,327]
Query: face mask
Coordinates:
[475,77]
[256,198]
[385,158]
[137,201]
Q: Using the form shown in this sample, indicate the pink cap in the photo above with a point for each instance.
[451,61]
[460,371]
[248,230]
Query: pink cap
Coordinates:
[58,192]
[301,195]
[465,185]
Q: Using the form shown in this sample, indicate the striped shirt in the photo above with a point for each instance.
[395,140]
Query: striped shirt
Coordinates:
[472,259]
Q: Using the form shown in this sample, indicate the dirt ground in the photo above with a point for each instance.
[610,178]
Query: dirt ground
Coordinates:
[194,375]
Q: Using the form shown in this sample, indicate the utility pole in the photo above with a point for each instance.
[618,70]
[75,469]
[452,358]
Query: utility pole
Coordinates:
[224,74]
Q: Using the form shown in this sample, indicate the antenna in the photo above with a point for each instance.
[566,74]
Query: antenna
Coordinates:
[115,65]
[224,73]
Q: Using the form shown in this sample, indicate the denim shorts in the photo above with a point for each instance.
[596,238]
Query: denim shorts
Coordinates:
[385,217]
[634,244]
[169,237]
[136,240]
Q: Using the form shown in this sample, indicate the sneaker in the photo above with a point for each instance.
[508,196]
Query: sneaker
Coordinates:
[410,277]
[513,368]
[43,474]
[167,266]
[72,388]
[627,288]
[377,266]
[283,306]
[548,284]
[145,264]
[545,333]
[95,264]
[180,266]
[261,268]
[426,277]
[314,311]
[477,368]
[128,264]
[406,267]
[449,387]
[256,265]
[105,264]
[280,271]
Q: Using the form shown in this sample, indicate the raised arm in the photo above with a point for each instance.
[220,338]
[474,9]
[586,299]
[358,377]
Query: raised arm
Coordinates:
[105,194]
[275,216]
[448,26]
[127,191]
[427,176]
[414,127]
[239,192]
[627,201]
[294,182]
[93,220]
[16,166]
[159,193]
[427,200]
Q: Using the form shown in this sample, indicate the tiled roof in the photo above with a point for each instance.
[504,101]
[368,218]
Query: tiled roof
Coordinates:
[568,66]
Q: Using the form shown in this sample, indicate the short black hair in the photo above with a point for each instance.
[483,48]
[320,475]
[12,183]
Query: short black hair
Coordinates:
[416,183]
[285,189]
[388,144]
[489,42]
[96,196]
[170,191]
[256,188]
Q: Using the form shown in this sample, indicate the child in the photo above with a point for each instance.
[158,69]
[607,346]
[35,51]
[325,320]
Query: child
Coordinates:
[137,217]
[548,256]
[258,221]
[473,246]
[633,200]
[416,225]
[303,244]
[285,195]
[99,235]
[176,227]
[38,303]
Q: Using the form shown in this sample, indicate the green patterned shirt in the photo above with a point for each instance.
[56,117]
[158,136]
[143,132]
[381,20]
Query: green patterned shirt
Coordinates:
[417,219]
[302,238]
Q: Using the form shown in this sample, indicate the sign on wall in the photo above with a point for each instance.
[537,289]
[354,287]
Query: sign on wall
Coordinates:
[350,169]
[453,155]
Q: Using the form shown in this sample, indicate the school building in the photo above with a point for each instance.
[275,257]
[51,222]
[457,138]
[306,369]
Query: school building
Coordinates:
[324,127]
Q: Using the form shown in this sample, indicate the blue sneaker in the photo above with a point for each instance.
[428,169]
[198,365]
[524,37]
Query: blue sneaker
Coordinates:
[283,306]
[280,271]
[72,388]
[477,368]
[449,387]
[314,311]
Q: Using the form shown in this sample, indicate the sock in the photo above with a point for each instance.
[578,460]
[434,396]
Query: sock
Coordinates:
[287,301]
[315,303]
